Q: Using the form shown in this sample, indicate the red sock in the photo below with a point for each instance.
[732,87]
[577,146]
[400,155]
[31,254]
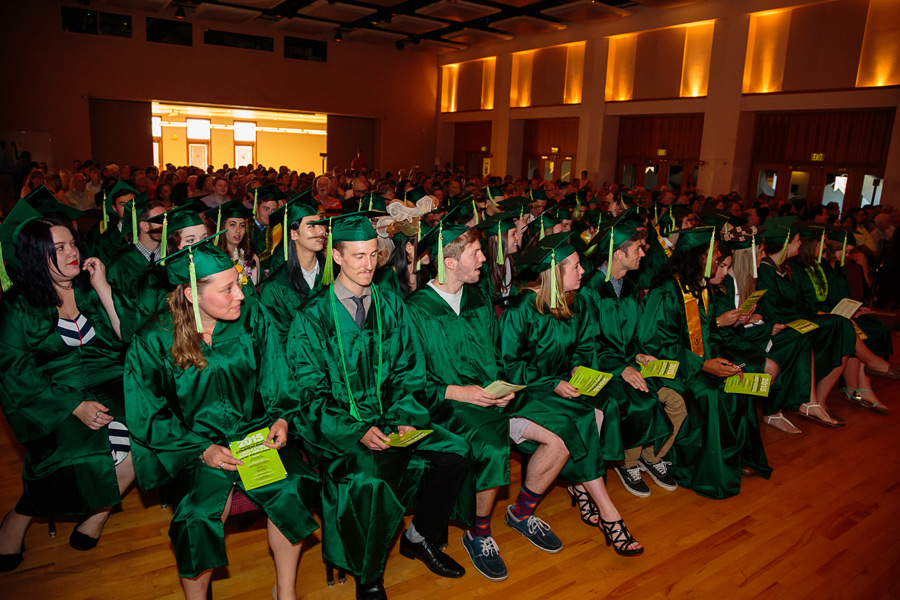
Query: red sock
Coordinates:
[526,502]
[482,526]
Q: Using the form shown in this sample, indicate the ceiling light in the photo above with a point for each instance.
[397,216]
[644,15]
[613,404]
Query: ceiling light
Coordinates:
[338,36]
[179,13]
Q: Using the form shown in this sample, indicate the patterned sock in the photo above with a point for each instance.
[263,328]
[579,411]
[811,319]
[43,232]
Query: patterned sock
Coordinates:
[482,526]
[526,502]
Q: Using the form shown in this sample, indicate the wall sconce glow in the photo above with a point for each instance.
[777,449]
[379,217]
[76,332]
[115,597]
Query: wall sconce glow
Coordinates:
[574,73]
[520,90]
[766,51]
[449,83]
[620,68]
[879,57]
[489,68]
[698,40]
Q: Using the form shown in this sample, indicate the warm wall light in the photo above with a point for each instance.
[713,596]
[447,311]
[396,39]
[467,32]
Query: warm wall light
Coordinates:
[520,90]
[620,67]
[697,51]
[489,68]
[766,51]
[574,73]
[449,83]
[879,58]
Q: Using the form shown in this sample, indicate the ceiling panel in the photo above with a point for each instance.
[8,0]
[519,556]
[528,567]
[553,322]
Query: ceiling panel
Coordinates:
[457,10]
[516,3]
[476,36]
[667,3]
[412,25]
[144,5]
[584,11]
[347,13]
[307,26]
[384,3]
[226,14]
[373,36]
[524,25]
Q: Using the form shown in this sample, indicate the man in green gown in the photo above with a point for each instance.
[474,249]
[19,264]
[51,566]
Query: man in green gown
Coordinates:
[359,377]
[126,268]
[650,415]
[108,237]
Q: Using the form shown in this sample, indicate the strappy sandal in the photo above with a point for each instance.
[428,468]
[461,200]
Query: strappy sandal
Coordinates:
[618,536]
[803,413]
[769,418]
[585,506]
[856,398]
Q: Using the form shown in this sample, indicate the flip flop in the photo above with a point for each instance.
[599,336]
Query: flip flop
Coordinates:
[856,398]
[767,419]
[803,413]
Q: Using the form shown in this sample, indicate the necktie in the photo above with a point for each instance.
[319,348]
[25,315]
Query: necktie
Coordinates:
[360,311]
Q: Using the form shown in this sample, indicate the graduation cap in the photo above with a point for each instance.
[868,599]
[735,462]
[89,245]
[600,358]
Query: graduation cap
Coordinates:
[133,210]
[494,193]
[348,227]
[810,230]
[436,238]
[613,234]
[670,219]
[518,204]
[576,199]
[176,219]
[698,236]
[414,195]
[538,194]
[462,209]
[196,262]
[295,210]
[542,222]
[373,202]
[20,214]
[121,188]
[777,228]
[44,201]
[495,225]
[839,234]
[549,251]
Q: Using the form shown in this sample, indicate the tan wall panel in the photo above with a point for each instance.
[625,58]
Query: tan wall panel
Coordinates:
[549,76]
[468,92]
[879,61]
[658,64]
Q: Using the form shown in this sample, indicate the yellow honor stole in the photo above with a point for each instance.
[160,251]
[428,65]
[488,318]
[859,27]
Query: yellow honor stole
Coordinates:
[692,314]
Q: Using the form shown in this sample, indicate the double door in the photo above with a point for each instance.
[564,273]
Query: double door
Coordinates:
[818,184]
[550,167]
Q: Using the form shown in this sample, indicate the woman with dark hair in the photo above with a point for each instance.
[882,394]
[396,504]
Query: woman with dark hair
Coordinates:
[545,335]
[502,239]
[235,241]
[284,291]
[61,372]
[823,287]
[720,437]
[206,373]
[832,340]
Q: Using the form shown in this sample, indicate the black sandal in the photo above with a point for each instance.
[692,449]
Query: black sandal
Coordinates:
[585,506]
[618,536]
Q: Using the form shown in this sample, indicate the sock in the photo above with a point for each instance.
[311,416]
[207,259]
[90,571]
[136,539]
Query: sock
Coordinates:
[412,535]
[525,504]
[482,526]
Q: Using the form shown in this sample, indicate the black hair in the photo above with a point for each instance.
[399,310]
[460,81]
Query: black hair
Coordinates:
[812,212]
[400,263]
[686,264]
[293,270]
[36,251]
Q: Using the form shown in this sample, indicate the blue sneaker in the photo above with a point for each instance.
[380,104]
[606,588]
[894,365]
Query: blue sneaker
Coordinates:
[535,531]
[485,556]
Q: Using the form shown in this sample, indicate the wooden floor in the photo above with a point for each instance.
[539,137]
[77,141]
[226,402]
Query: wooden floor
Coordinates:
[825,526]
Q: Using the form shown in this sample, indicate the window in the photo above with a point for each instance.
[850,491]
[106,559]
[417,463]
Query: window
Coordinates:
[166,31]
[198,129]
[244,131]
[302,49]
[156,130]
[115,25]
[198,133]
[238,40]
[79,20]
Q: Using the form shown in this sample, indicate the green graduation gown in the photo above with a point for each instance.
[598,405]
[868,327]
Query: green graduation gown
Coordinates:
[721,431]
[68,468]
[784,301]
[464,350]
[540,351]
[178,413]
[613,320]
[106,245]
[365,493]
[125,270]
[791,350]
[282,301]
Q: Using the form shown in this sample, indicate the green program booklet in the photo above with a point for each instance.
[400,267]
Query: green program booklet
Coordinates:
[262,465]
[407,439]
[752,300]
[589,382]
[755,384]
[802,325]
[502,388]
[660,368]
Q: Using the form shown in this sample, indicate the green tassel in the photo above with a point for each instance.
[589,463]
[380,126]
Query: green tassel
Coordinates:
[656,214]
[553,290]
[285,238]
[821,245]
[709,255]
[844,251]
[441,270]
[218,223]
[612,235]
[542,228]
[134,227]
[753,246]
[418,239]
[475,210]
[577,207]
[5,281]
[500,259]
[194,299]
[105,224]
[164,245]
[255,197]
[328,272]
[491,196]
[787,241]
[370,201]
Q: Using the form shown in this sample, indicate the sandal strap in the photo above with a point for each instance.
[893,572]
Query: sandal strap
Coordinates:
[620,535]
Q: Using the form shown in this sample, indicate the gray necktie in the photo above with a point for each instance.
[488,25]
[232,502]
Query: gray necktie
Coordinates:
[360,312]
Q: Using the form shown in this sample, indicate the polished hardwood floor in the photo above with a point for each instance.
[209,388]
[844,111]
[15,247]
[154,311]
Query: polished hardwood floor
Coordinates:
[824,526]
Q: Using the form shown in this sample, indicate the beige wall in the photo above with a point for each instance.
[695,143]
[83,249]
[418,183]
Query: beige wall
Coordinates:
[56,73]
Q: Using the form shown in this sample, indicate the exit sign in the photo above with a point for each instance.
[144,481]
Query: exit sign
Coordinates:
[818,156]
[662,152]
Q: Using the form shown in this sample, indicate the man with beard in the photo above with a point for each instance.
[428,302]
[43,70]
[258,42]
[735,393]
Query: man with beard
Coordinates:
[127,266]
